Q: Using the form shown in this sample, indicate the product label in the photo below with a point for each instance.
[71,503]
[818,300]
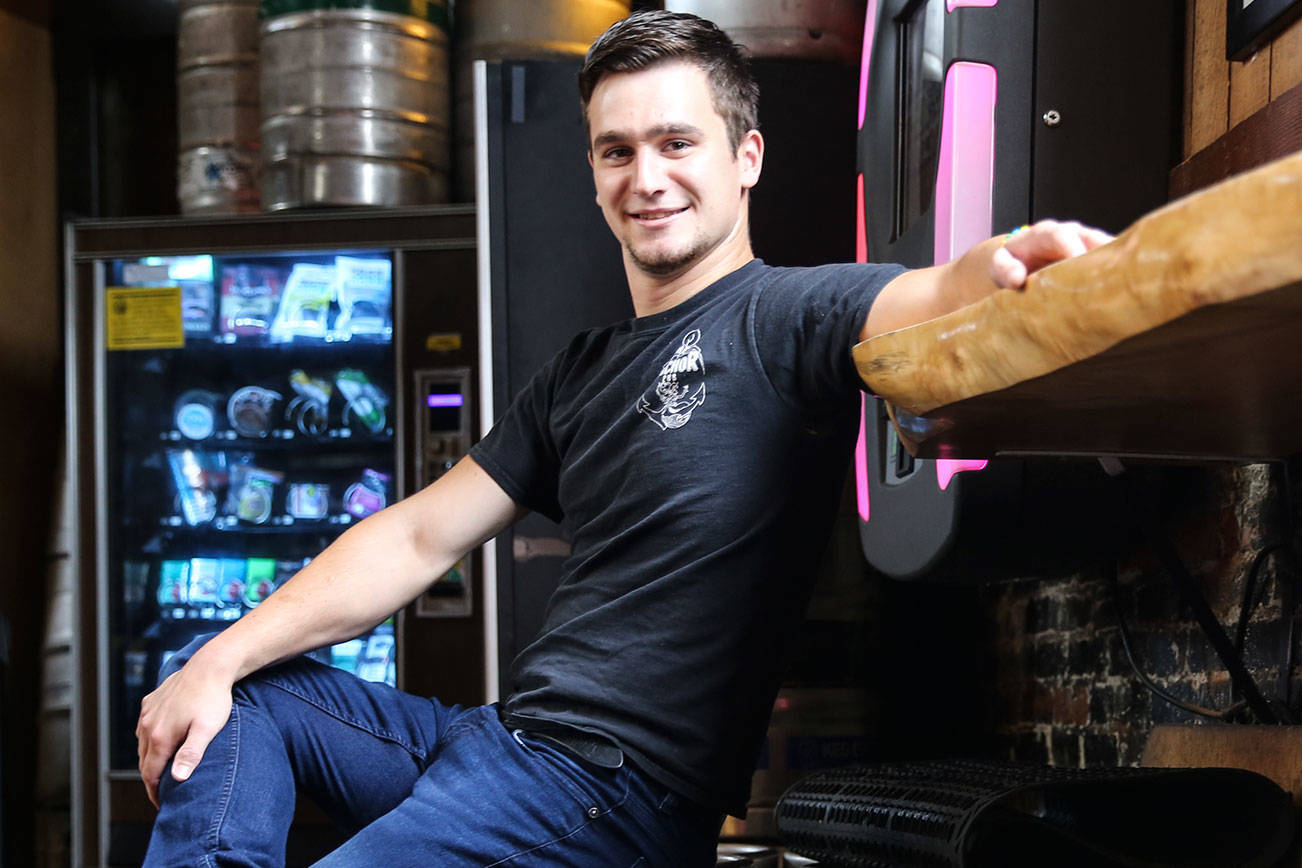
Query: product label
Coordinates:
[143,319]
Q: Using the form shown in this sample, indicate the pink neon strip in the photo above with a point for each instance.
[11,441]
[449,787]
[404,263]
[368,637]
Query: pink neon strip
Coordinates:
[965,177]
[861,447]
[869,31]
[861,461]
[947,467]
[860,229]
[965,180]
[951,5]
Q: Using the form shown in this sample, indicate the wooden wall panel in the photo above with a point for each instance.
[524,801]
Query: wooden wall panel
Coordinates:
[1286,60]
[30,423]
[1220,95]
[1187,137]
[1249,86]
[1209,114]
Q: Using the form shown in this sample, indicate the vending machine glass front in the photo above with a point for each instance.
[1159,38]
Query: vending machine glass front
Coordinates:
[248,414]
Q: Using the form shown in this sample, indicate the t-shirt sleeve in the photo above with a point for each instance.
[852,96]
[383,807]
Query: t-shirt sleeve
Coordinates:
[519,452]
[807,321]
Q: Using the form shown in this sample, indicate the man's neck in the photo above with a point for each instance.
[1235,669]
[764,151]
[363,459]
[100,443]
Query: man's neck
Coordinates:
[654,293]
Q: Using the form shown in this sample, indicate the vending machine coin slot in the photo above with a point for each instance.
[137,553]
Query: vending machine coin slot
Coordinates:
[442,438]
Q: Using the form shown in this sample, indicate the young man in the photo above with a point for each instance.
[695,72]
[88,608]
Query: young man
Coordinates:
[693,456]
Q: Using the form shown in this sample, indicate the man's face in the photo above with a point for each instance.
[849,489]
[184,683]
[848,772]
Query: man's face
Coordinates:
[670,186]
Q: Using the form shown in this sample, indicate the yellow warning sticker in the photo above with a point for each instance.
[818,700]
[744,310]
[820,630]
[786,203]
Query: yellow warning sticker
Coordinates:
[144,319]
[443,342]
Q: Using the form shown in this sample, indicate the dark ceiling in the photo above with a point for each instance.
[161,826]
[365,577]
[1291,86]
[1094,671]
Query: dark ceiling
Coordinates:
[119,19]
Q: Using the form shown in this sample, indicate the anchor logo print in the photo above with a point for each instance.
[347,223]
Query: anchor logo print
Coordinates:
[679,389]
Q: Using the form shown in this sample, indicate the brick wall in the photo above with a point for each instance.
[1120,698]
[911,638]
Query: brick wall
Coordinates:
[1060,688]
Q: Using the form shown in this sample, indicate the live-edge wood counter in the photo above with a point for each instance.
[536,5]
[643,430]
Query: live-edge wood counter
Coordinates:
[1180,339]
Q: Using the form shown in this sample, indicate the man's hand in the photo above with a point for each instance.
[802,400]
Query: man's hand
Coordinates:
[188,709]
[1004,262]
[1032,248]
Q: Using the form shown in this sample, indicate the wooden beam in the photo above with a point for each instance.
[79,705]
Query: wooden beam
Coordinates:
[1270,133]
[1179,339]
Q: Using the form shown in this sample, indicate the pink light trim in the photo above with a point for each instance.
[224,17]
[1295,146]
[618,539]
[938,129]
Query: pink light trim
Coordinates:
[965,179]
[951,5]
[966,174]
[869,31]
[860,230]
[947,467]
[861,461]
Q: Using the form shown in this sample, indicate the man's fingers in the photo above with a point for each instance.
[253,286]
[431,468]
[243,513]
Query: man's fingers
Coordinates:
[191,751]
[1006,270]
[151,770]
[1095,237]
[1045,243]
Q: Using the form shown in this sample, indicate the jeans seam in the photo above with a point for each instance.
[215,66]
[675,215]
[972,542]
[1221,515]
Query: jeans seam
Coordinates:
[346,720]
[583,824]
[228,783]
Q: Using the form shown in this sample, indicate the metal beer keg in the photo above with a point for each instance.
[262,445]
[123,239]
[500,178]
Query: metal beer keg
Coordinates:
[808,29]
[355,103]
[217,106]
[515,30]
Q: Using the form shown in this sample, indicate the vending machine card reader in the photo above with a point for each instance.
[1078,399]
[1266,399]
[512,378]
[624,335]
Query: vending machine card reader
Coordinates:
[442,437]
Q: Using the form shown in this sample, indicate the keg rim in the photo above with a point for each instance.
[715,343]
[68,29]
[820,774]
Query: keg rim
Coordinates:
[433,11]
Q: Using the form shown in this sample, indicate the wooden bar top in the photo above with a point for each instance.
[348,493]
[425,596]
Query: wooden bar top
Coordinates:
[1180,339]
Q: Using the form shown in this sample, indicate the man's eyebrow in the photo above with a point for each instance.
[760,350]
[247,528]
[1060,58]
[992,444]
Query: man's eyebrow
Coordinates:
[656,132]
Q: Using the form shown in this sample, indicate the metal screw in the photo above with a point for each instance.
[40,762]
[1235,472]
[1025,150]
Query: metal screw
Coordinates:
[1052,118]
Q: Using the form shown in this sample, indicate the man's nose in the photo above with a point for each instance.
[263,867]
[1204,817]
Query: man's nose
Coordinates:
[648,175]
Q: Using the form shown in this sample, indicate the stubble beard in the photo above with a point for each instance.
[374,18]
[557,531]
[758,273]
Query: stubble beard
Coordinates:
[669,262]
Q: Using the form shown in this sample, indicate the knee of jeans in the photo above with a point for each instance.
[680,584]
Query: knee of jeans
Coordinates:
[177,660]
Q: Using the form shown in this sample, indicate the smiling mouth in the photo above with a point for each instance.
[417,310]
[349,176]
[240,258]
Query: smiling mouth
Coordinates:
[659,214]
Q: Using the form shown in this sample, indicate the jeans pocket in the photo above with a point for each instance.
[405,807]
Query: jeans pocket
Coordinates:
[597,793]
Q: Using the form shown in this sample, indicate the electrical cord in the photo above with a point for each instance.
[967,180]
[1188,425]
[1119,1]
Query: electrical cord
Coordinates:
[1152,685]
[1255,707]
[1288,590]
[1250,598]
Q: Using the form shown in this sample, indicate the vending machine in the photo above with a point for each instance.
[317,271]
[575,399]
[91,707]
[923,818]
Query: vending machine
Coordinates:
[241,392]
[974,117]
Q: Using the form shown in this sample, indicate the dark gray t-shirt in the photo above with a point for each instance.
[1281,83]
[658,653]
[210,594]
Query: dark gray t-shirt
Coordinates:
[694,459]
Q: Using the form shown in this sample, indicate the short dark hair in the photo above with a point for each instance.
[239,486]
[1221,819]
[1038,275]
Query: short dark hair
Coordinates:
[647,38]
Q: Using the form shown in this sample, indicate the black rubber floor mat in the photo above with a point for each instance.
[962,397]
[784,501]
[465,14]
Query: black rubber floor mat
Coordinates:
[978,814]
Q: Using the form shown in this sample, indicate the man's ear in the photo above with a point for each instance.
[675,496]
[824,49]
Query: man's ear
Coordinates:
[750,157]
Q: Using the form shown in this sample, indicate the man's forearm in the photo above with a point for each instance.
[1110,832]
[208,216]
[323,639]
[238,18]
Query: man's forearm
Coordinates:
[1001,262]
[926,293]
[368,573]
[371,571]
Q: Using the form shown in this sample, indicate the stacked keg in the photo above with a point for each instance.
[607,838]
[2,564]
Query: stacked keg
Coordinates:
[355,102]
[516,30]
[829,30]
[217,106]
[347,102]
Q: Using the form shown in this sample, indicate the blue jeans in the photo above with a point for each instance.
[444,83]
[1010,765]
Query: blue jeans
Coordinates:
[413,781]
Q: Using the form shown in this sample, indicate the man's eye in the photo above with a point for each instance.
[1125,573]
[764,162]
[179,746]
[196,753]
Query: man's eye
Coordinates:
[616,153]
[678,145]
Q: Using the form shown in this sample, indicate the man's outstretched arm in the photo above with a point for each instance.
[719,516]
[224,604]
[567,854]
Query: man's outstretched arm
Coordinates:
[1003,262]
[368,573]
